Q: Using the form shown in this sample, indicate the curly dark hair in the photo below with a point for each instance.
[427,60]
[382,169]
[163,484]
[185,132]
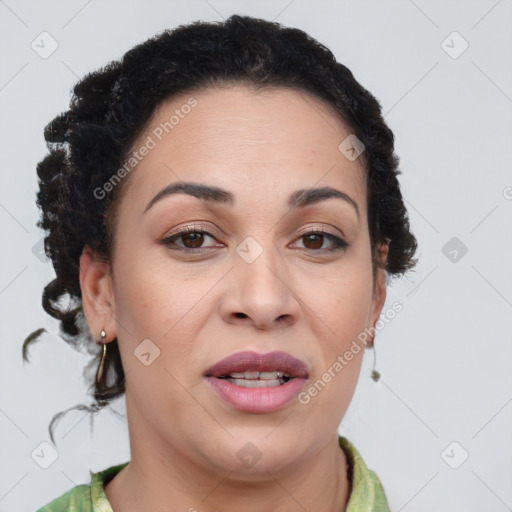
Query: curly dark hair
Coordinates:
[110,108]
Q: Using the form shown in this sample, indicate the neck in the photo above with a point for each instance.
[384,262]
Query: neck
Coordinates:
[159,474]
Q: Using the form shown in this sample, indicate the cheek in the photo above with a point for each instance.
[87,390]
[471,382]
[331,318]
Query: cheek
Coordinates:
[148,295]
[344,307]
[345,299]
[155,301]
[137,302]
[155,335]
[345,310]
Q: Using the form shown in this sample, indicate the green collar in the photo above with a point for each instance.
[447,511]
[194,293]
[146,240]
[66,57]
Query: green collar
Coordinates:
[367,494]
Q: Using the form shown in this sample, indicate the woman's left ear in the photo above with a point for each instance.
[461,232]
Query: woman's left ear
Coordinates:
[379,288]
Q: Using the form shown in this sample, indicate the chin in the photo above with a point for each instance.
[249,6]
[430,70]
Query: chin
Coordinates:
[252,457]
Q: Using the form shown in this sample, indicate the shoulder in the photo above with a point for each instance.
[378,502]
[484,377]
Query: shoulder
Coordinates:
[366,490]
[77,499]
[86,497]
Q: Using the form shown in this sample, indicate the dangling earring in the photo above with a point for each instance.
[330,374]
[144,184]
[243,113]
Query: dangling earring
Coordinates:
[375,374]
[101,367]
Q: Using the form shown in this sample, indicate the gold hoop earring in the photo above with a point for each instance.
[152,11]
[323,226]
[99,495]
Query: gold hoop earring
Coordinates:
[101,366]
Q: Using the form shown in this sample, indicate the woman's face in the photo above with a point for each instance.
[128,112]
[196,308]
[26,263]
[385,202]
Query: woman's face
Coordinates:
[256,282]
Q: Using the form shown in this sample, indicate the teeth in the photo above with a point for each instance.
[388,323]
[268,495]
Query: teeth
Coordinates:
[237,375]
[251,379]
[270,375]
[259,375]
[255,383]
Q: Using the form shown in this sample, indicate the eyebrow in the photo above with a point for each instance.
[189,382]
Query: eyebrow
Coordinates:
[298,199]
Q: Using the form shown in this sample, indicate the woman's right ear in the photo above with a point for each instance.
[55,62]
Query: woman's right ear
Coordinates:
[97,294]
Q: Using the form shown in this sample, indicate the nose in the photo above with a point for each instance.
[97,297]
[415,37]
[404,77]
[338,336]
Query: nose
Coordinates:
[260,293]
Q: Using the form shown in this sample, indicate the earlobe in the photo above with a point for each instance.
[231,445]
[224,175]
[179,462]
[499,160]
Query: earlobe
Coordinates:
[97,294]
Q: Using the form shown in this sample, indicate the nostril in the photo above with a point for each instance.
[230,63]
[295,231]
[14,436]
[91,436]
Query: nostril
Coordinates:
[240,315]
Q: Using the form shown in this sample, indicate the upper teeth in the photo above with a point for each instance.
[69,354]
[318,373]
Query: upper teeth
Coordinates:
[258,375]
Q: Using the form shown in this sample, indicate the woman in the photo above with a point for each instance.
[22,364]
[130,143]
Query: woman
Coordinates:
[222,209]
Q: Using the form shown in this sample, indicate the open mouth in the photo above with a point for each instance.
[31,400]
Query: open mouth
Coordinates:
[257,383]
[253,379]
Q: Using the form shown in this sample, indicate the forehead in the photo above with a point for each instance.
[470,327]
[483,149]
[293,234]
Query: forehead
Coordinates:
[247,141]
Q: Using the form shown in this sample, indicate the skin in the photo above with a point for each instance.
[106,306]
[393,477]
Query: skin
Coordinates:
[296,296]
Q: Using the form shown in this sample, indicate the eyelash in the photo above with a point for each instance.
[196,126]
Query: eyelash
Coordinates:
[337,243]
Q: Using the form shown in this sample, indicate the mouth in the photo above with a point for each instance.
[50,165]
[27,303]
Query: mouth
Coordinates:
[253,382]
[251,370]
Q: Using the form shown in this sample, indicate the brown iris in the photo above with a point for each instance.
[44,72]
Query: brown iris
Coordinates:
[197,239]
[316,238]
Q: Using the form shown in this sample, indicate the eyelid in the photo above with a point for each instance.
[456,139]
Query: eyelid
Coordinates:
[189,228]
[322,227]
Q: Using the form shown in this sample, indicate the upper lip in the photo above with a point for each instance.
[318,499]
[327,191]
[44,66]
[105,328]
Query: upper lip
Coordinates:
[252,361]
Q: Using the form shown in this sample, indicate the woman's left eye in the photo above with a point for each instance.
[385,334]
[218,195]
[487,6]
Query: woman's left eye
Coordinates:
[318,235]
[193,238]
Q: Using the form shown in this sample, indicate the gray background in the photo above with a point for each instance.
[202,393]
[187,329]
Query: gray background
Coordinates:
[446,386]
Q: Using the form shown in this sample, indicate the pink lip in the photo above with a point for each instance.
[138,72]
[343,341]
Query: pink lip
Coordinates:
[257,400]
[252,361]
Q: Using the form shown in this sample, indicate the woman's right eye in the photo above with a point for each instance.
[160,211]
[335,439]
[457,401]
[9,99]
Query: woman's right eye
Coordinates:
[191,239]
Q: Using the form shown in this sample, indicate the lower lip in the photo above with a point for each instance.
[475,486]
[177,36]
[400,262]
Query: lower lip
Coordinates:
[257,399]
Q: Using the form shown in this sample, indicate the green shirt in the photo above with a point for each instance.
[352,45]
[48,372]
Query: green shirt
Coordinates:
[366,493]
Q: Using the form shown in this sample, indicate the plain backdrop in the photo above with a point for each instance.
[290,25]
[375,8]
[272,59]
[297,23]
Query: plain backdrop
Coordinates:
[437,427]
